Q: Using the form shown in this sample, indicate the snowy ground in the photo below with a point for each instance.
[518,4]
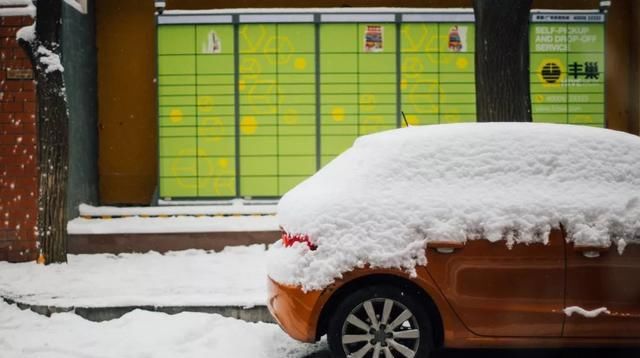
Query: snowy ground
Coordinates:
[234,276]
[142,334]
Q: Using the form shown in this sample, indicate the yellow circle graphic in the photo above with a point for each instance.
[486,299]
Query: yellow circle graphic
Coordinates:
[223,163]
[181,168]
[368,102]
[404,84]
[300,63]
[337,113]
[205,103]
[242,85]
[175,115]
[462,63]
[248,125]
[290,117]
[413,120]
[223,186]
[538,98]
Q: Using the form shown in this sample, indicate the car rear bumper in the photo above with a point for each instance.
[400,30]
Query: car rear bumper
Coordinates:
[295,311]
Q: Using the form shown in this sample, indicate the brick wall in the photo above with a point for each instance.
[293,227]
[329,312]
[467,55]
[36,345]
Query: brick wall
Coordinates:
[18,164]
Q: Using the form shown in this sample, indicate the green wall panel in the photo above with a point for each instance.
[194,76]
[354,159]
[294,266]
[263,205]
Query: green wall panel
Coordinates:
[178,187]
[176,40]
[216,186]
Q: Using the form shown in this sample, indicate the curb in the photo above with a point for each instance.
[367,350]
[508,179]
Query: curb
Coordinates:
[101,314]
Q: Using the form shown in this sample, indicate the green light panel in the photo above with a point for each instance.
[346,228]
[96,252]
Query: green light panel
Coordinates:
[196,111]
[438,73]
[357,83]
[277,107]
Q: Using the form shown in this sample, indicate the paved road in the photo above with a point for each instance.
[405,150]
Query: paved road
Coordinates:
[526,353]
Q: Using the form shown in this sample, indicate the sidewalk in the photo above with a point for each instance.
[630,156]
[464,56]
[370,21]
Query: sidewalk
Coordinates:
[139,290]
[145,334]
[104,286]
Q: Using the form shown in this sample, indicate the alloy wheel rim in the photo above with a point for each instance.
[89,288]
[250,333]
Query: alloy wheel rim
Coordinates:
[380,328]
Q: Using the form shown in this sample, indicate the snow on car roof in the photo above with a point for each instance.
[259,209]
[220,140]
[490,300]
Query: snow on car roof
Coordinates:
[385,198]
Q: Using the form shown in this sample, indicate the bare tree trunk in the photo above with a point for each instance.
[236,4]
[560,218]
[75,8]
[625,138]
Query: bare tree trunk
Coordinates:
[502,60]
[52,131]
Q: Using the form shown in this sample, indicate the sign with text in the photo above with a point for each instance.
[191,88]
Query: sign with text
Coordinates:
[567,69]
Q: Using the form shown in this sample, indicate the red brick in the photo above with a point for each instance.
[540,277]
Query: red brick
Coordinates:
[8,42]
[13,128]
[23,117]
[12,107]
[18,85]
[21,170]
[21,54]
[30,107]
[8,31]
[16,63]
[26,95]
[22,254]
[17,21]
[18,152]
[7,53]
[6,117]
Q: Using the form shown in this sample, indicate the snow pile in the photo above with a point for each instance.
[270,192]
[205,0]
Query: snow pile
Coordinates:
[50,60]
[79,5]
[384,199]
[581,311]
[143,334]
[27,33]
[234,276]
[17,8]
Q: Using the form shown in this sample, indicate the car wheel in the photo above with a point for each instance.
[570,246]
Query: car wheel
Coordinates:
[380,322]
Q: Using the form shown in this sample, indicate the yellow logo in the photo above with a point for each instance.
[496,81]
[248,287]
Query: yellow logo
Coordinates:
[551,72]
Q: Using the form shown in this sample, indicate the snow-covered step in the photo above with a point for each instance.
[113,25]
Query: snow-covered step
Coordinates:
[221,209]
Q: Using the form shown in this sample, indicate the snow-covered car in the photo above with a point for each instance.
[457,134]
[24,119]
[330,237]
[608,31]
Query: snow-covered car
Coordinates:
[467,235]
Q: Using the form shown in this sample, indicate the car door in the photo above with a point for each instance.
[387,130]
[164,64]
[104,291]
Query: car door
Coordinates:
[500,291]
[603,278]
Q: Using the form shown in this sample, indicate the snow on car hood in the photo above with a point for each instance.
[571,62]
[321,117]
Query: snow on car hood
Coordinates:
[381,201]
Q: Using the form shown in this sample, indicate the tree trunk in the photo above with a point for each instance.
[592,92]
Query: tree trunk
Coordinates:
[53,162]
[502,60]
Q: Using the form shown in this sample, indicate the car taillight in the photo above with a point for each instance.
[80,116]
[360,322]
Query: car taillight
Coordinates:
[288,240]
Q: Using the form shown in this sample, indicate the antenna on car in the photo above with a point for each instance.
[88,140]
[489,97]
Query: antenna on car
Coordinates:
[405,119]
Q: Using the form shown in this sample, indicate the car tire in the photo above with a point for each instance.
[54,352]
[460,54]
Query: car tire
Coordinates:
[380,322]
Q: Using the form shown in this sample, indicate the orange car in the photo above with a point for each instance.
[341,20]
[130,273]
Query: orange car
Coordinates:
[557,289]
[469,296]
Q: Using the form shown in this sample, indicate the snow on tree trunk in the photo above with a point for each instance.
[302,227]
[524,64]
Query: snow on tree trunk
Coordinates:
[44,49]
[502,60]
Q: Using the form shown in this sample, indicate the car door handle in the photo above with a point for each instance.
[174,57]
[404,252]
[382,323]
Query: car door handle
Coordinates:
[445,247]
[590,252]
